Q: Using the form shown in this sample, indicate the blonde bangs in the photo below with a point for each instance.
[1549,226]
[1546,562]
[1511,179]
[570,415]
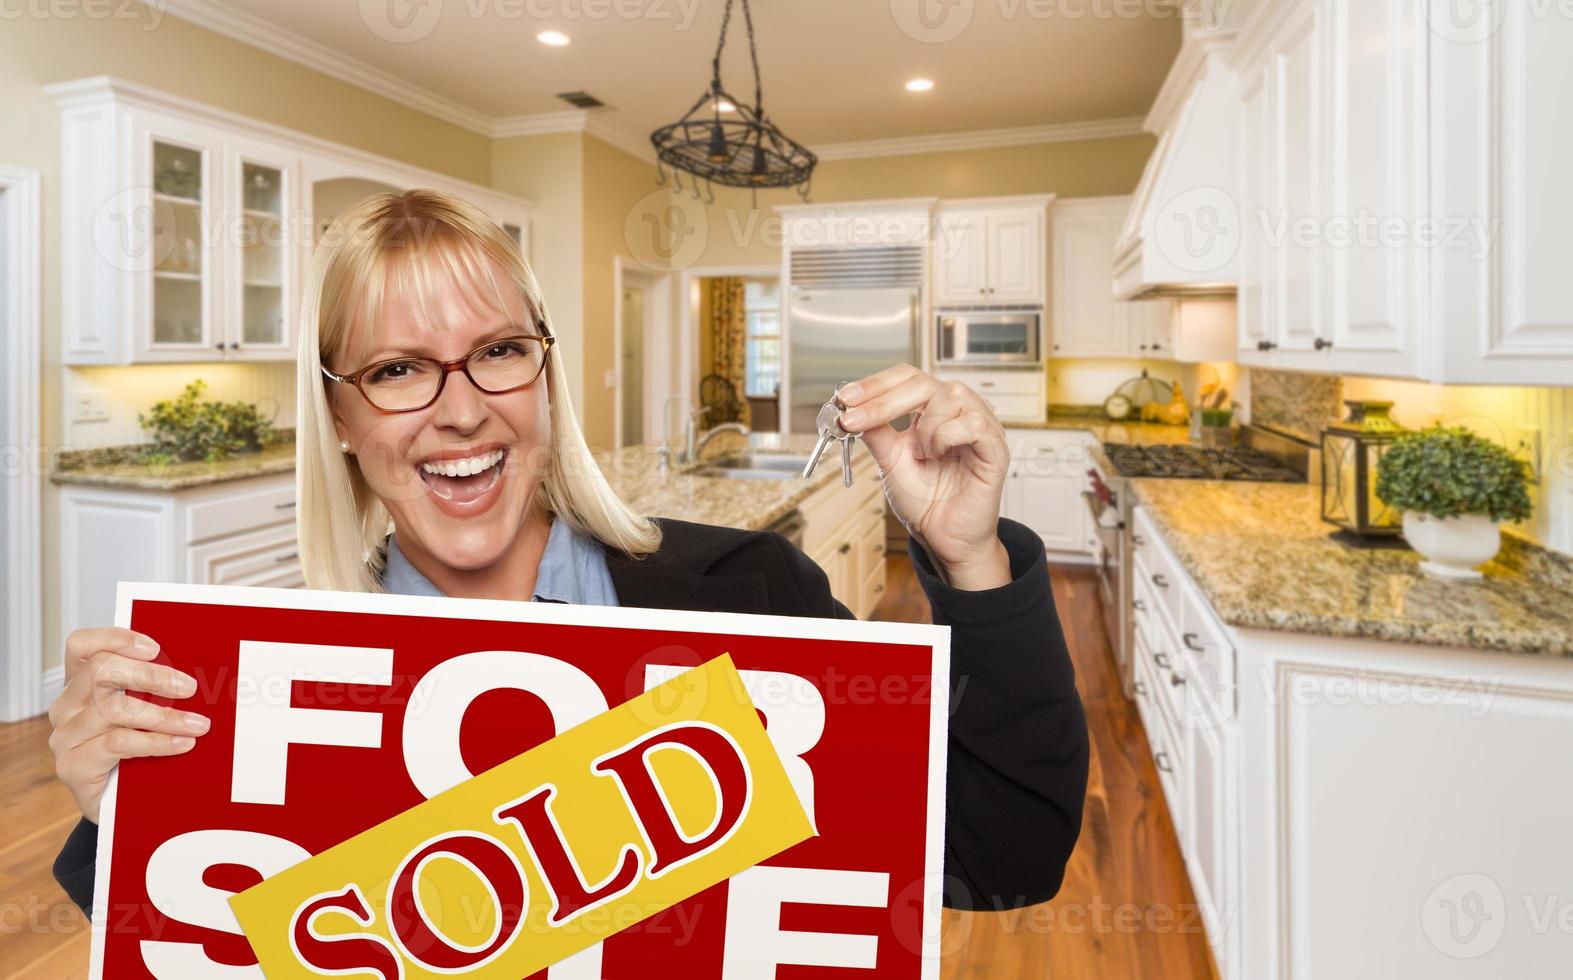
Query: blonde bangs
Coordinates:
[397,245]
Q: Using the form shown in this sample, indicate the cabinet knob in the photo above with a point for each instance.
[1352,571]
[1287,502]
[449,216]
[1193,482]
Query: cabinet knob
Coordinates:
[1138,540]
[846,546]
[1176,680]
[1322,343]
[234,345]
[1266,344]
[219,345]
[879,588]
[1139,688]
[1191,643]
[1138,605]
[1161,760]
[1143,346]
[1160,581]
[281,559]
[1161,659]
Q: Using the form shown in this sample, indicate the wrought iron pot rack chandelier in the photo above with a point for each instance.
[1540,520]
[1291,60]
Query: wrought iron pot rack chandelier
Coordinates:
[746,151]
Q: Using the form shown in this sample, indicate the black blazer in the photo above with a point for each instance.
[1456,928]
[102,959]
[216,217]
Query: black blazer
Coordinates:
[1017,765]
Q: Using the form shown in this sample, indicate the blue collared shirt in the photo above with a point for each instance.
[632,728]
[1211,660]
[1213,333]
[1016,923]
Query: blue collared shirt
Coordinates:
[573,569]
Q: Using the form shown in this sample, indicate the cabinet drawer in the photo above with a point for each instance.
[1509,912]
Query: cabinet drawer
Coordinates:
[261,558]
[997,382]
[1159,567]
[1166,750]
[870,545]
[1015,407]
[240,507]
[1212,658]
[829,512]
[871,591]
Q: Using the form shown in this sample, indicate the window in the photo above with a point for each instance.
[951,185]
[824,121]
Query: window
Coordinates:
[762,306]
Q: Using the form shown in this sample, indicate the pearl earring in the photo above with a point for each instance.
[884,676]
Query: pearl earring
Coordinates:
[344,445]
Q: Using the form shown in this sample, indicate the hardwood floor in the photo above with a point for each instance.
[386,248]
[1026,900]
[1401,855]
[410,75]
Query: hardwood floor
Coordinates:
[1125,911]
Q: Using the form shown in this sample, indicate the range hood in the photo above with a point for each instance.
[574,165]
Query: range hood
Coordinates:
[1182,236]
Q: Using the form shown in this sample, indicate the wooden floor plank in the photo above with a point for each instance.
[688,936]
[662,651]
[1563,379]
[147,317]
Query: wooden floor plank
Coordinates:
[1127,866]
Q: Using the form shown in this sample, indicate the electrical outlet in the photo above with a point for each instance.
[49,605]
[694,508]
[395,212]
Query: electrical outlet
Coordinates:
[91,406]
[610,378]
[1529,450]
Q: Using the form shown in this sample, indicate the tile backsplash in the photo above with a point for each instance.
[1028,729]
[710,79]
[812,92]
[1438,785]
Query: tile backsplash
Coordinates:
[1536,423]
[1300,404]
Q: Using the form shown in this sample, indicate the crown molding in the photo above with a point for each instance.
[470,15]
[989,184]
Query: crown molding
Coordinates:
[258,33]
[574,121]
[254,31]
[982,139]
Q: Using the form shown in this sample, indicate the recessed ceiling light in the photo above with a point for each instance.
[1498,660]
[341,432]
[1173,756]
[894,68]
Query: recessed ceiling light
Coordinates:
[555,38]
[920,85]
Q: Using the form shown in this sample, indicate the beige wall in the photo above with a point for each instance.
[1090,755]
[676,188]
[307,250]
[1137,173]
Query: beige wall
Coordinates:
[618,188]
[178,57]
[549,170]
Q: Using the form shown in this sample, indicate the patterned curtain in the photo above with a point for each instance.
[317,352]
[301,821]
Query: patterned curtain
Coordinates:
[728,329]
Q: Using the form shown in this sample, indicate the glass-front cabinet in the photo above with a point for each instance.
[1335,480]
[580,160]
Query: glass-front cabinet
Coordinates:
[186,230]
[167,239]
[267,246]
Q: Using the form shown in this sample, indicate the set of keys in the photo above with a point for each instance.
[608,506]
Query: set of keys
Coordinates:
[830,430]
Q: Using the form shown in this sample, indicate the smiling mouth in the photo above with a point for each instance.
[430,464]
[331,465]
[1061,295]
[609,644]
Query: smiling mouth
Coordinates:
[464,480]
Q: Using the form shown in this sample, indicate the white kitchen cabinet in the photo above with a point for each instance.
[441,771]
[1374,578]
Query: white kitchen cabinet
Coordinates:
[184,229]
[1086,321]
[1295,764]
[236,533]
[1043,490]
[844,533]
[1015,394]
[1089,322]
[1403,191]
[990,251]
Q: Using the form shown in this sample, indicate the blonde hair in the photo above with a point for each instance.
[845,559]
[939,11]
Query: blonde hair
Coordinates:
[398,239]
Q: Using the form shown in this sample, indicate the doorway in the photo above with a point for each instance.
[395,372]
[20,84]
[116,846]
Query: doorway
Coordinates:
[22,457]
[647,360]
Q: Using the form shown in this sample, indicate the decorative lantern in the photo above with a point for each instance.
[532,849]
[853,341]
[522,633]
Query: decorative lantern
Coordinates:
[1350,450]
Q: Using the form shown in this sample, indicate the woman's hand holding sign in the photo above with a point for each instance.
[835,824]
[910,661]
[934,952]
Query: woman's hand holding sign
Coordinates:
[97,721]
[945,474]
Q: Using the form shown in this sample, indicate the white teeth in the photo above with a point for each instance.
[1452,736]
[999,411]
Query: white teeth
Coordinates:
[464,467]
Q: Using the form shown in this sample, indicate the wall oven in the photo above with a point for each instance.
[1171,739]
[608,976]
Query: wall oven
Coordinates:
[970,337]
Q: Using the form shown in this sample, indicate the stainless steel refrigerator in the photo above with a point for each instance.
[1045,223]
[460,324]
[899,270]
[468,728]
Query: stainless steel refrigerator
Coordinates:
[840,334]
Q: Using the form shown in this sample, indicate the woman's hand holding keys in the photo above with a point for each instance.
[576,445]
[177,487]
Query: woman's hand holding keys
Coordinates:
[945,474]
[98,721]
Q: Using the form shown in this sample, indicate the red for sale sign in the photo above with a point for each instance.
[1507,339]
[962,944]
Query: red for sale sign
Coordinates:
[333,714]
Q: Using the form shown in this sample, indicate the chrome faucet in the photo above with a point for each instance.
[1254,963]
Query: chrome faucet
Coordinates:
[695,447]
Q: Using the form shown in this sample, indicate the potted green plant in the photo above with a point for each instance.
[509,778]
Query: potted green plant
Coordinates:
[186,428]
[1455,489]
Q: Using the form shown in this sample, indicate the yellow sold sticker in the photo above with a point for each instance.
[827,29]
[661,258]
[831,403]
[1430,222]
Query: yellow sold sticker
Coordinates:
[546,854]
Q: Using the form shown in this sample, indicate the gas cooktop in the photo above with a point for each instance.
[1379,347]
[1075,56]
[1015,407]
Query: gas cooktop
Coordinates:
[1186,462]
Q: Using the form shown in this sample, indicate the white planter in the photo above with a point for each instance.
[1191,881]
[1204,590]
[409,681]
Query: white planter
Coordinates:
[1453,547]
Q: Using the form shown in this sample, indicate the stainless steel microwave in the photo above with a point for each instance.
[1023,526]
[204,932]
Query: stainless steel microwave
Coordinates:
[987,337]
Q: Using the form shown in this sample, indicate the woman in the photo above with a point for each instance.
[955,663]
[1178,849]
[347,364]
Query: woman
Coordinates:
[429,396]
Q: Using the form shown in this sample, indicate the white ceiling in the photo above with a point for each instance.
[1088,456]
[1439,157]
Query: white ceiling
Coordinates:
[833,70]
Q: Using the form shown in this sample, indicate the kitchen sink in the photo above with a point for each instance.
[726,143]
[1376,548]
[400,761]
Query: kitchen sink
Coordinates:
[755,466]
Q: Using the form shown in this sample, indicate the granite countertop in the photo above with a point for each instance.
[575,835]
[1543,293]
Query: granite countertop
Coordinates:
[1264,560]
[120,467]
[1080,419]
[743,503]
